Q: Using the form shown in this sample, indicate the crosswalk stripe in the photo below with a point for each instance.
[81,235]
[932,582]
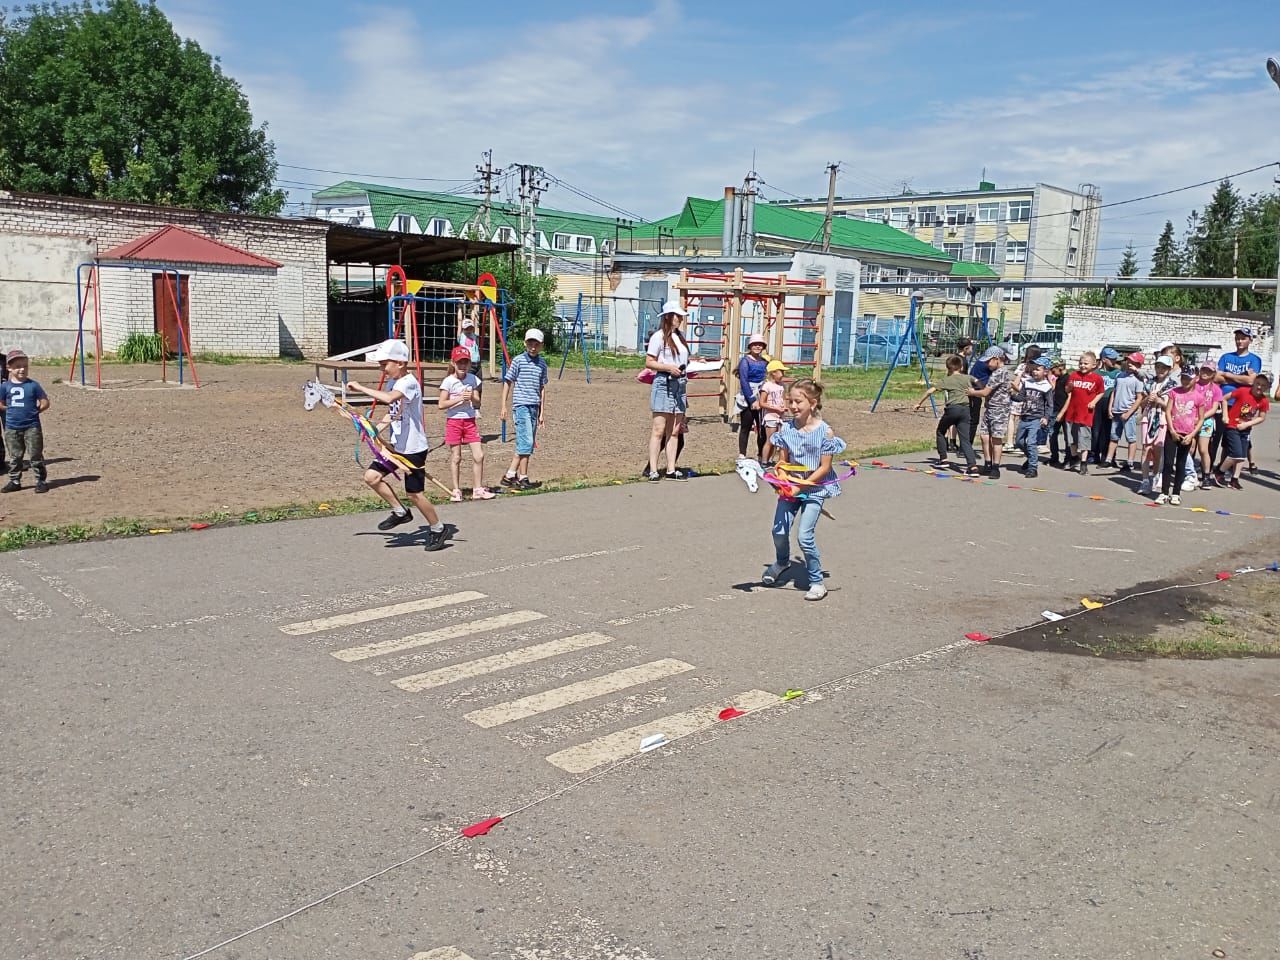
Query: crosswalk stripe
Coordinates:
[576,692]
[617,746]
[305,627]
[452,632]
[501,661]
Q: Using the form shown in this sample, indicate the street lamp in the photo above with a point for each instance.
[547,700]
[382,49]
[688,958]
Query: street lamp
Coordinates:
[1273,68]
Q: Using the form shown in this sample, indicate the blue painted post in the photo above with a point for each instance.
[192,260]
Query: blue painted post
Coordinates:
[894,365]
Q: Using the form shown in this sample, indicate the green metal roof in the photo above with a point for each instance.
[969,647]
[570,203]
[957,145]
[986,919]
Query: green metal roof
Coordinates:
[705,218]
[964,268]
[387,202]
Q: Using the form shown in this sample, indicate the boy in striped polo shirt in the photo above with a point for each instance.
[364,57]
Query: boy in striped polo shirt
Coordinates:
[524,387]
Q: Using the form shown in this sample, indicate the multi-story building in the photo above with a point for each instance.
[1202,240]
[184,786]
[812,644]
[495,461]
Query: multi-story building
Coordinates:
[571,246]
[1039,231]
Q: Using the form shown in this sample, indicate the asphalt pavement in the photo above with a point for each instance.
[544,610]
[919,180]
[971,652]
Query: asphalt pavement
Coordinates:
[208,731]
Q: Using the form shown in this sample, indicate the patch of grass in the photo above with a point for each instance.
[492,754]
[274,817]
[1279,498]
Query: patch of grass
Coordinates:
[1204,645]
[141,348]
[26,535]
[1214,619]
[851,383]
[895,447]
[599,361]
[124,527]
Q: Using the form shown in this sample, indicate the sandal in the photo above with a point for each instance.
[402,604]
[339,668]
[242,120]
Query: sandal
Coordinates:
[482,493]
[455,497]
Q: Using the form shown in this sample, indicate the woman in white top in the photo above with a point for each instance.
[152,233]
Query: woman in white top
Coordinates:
[667,356]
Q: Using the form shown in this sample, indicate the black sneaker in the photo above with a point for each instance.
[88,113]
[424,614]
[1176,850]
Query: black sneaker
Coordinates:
[508,481]
[42,486]
[1234,484]
[524,483]
[11,487]
[1031,474]
[436,539]
[995,473]
[1126,467]
[986,470]
[1084,468]
[655,476]
[676,475]
[395,519]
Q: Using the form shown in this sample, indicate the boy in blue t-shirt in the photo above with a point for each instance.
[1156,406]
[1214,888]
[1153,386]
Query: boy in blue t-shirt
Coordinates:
[23,400]
[524,389]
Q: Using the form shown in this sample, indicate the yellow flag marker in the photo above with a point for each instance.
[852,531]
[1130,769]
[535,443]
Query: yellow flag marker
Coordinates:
[160,530]
[1090,604]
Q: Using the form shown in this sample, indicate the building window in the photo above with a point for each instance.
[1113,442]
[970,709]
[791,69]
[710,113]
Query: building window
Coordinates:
[606,247]
[870,272]
[1075,219]
[953,250]
[984,294]
[560,241]
[898,216]
[1013,294]
[505,235]
[904,276]
[438,227]
[985,252]
[875,213]
[1015,251]
[403,223]
[988,212]
[1071,256]
[926,216]
[957,293]
[957,214]
[1019,211]
[584,244]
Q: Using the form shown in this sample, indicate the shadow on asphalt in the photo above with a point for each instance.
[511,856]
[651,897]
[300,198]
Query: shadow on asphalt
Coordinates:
[413,538]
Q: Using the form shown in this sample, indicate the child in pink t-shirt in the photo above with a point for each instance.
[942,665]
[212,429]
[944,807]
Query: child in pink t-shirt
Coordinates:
[1211,402]
[1185,407]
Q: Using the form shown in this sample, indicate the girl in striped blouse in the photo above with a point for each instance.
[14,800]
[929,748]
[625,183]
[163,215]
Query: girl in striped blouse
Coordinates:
[806,440]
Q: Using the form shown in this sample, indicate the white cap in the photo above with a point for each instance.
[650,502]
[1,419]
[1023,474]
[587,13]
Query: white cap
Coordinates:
[533,333]
[390,350]
[673,306]
[468,322]
[1165,346]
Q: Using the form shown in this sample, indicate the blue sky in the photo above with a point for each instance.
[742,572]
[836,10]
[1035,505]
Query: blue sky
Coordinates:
[664,99]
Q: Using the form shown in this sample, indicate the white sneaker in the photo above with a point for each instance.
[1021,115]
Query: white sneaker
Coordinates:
[816,592]
[1162,498]
[1190,484]
[1175,501]
[773,572]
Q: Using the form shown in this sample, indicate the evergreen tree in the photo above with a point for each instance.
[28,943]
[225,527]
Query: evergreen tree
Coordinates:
[1128,262]
[1210,243]
[1166,259]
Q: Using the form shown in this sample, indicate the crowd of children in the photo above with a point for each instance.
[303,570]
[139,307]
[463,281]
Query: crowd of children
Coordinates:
[1181,426]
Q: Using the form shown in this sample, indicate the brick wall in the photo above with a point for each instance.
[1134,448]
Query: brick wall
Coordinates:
[230,309]
[1092,328]
[299,324]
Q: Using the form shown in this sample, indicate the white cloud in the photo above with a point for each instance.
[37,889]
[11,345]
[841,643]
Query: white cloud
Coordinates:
[198,21]
[646,108]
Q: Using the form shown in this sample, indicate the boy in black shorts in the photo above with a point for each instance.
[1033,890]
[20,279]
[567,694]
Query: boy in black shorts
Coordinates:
[403,397]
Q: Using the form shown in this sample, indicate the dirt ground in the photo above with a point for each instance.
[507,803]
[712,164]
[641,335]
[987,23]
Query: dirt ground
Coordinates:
[243,442]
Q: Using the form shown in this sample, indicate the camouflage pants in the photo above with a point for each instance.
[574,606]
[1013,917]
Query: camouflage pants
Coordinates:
[25,444]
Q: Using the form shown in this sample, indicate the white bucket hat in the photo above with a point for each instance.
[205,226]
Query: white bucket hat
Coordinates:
[757,338]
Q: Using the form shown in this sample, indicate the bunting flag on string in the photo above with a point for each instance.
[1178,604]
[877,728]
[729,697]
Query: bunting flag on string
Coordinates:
[481,828]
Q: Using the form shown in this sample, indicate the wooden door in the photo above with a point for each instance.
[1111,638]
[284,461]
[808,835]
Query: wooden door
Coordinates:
[168,293]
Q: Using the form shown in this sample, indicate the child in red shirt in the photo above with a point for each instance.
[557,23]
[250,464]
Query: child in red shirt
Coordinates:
[1084,390]
[1248,408]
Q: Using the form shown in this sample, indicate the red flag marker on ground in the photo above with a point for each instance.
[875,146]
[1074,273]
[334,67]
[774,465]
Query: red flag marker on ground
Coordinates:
[977,637]
[729,713]
[481,828]
[1224,575]
[200,526]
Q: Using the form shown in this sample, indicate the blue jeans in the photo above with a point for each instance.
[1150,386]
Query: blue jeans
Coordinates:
[783,517]
[526,417]
[1028,438]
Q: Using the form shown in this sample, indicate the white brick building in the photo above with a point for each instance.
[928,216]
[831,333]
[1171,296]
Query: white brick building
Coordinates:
[271,300]
[1210,333]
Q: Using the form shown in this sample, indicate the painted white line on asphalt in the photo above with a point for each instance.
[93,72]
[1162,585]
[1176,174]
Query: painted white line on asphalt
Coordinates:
[21,603]
[442,953]
[452,632]
[617,746]
[500,661]
[577,692]
[1077,546]
[378,613]
[648,615]
[88,609]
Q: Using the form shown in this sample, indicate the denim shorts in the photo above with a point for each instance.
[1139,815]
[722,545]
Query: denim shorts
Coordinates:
[1126,429]
[526,417]
[668,394]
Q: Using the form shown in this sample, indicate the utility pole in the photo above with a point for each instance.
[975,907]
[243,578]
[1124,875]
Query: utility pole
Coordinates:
[1235,271]
[532,186]
[832,170]
[487,173]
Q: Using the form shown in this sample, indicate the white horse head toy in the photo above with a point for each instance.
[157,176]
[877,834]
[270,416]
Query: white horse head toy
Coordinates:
[750,471]
[313,392]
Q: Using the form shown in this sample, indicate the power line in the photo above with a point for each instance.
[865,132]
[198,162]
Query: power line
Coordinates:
[376,176]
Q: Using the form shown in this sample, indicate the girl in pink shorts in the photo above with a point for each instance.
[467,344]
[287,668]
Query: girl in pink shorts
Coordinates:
[460,400]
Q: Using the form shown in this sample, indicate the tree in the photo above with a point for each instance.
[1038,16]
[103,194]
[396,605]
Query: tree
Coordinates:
[1210,238]
[1128,262]
[1166,260]
[1259,230]
[106,101]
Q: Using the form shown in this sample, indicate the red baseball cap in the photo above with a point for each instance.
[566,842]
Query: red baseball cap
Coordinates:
[460,353]
[1138,358]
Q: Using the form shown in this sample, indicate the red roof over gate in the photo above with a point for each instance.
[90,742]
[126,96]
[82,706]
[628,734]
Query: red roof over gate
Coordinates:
[173,244]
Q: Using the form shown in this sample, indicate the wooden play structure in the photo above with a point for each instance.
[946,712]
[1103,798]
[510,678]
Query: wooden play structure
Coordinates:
[789,312]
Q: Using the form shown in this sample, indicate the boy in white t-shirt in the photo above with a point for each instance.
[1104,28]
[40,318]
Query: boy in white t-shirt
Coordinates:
[460,400]
[408,438]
